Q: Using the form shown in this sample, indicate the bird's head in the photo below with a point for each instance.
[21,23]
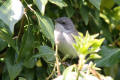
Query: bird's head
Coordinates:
[66,23]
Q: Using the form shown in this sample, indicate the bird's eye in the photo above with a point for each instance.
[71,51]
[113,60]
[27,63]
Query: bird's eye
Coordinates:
[62,22]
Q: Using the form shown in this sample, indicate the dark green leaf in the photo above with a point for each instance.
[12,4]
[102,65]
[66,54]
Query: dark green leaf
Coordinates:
[106,31]
[46,26]
[27,46]
[96,3]
[29,63]
[13,68]
[28,74]
[84,13]
[69,11]
[5,74]
[42,70]
[46,53]
[3,44]
[110,56]
[8,38]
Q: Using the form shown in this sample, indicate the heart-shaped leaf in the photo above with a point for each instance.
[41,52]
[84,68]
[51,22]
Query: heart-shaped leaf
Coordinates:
[41,5]
[11,12]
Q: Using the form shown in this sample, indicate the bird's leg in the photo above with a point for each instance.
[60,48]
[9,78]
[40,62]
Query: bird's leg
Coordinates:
[57,61]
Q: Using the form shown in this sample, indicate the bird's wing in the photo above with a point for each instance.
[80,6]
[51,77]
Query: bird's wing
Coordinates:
[69,34]
[68,37]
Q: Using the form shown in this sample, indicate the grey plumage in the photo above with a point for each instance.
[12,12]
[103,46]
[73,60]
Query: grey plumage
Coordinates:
[64,28]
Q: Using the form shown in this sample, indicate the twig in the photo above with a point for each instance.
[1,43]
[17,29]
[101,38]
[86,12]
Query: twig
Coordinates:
[57,61]
[51,73]
[95,73]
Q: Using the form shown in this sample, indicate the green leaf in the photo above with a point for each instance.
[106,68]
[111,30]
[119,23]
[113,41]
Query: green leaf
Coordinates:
[68,72]
[27,47]
[95,56]
[28,74]
[29,63]
[11,12]
[46,26]
[3,44]
[5,74]
[21,78]
[107,4]
[59,3]
[117,1]
[87,44]
[106,32]
[41,5]
[46,53]
[8,38]
[69,11]
[84,13]
[116,12]
[13,68]
[96,3]
[110,56]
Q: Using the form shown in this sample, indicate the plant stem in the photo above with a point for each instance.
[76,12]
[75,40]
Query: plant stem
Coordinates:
[57,61]
[81,63]
[51,73]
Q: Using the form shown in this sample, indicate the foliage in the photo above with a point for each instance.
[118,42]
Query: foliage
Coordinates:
[27,40]
[88,44]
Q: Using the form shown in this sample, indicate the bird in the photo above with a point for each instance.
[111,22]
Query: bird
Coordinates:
[63,36]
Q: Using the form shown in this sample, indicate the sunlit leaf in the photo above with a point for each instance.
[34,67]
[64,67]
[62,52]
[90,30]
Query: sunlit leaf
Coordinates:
[95,56]
[11,12]
[41,5]
[107,4]
[68,72]
[59,3]
[117,13]
[87,44]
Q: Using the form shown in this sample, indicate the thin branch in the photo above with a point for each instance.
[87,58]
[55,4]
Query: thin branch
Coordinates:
[57,61]
[51,73]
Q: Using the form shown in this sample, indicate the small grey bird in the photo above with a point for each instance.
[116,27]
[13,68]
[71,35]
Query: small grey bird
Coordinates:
[64,29]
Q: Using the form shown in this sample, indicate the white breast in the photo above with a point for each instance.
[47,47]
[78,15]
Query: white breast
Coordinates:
[65,41]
